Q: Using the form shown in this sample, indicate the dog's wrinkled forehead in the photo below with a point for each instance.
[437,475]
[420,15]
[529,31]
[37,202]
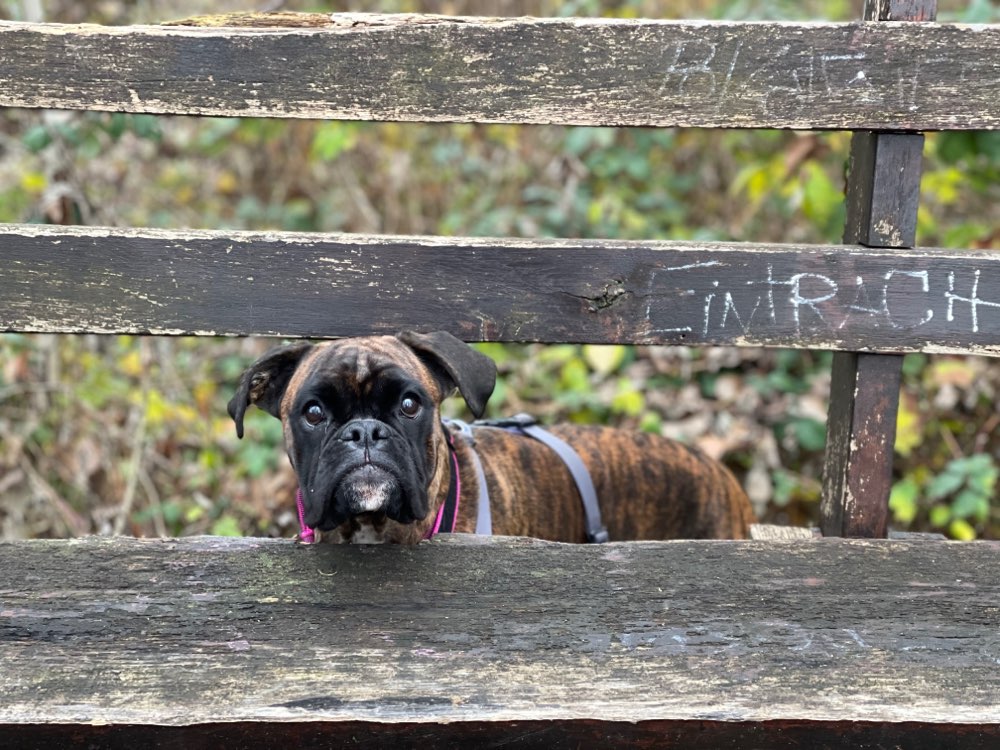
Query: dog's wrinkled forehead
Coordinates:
[355,363]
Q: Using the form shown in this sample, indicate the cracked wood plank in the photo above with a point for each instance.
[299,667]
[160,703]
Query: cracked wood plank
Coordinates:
[478,632]
[80,279]
[520,70]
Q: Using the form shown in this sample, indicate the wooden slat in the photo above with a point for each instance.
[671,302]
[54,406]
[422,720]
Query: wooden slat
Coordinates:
[76,279]
[883,195]
[883,189]
[520,735]
[766,532]
[502,632]
[570,71]
[861,431]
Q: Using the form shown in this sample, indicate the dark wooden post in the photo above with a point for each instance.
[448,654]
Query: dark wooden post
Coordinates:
[883,191]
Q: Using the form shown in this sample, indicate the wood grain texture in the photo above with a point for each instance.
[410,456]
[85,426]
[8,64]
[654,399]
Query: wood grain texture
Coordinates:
[765,532]
[567,71]
[883,189]
[179,632]
[511,735]
[861,431]
[883,195]
[75,279]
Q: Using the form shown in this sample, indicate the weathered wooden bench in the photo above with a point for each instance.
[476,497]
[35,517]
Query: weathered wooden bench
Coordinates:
[821,643]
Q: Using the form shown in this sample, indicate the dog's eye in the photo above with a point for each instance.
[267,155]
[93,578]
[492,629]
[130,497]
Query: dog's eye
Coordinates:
[313,413]
[409,406]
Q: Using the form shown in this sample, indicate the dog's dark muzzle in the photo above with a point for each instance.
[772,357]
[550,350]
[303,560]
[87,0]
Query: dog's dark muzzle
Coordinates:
[364,475]
[364,435]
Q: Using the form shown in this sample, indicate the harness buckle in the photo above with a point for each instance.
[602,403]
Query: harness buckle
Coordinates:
[598,537]
[462,428]
[518,420]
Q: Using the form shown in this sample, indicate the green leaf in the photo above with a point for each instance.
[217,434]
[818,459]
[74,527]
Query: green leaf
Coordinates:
[559,354]
[903,500]
[334,138]
[940,515]
[979,11]
[194,513]
[984,482]
[116,125]
[37,138]
[946,483]
[226,526]
[914,365]
[172,512]
[651,422]
[629,402]
[499,353]
[811,433]
[146,126]
[785,485]
[574,376]
[967,504]
[821,198]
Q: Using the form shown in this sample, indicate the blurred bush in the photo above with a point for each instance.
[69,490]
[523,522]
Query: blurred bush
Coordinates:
[130,434]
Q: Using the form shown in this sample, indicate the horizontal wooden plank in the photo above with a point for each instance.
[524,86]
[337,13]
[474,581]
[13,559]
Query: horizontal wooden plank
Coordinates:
[75,279]
[520,735]
[480,630]
[900,76]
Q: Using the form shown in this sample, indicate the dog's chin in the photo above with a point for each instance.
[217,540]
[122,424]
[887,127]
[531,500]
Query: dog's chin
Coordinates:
[367,489]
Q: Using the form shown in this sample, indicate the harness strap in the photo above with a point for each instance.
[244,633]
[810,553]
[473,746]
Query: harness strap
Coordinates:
[484,518]
[526,424]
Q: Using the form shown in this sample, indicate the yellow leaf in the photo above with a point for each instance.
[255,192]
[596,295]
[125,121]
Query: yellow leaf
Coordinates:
[595,210]
[131,364]
[908,428]
[184,194]
[957,372]
[604,359]
[33,182]
[506,135]
[204,395]
[186,413]
[758,185]
[156,409]
[227,182]
[961,530]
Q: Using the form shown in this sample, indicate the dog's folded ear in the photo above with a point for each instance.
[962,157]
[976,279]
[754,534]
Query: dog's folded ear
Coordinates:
[264,382]
[457,365]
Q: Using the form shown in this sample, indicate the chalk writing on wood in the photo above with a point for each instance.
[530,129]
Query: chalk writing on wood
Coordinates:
[689,298]
[717,70]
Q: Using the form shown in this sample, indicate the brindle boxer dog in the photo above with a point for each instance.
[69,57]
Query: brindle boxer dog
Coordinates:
[363,432]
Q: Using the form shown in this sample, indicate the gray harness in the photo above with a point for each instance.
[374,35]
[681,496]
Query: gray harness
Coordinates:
[525,424]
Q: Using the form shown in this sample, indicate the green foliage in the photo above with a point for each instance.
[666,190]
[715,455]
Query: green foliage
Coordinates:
[957,500]
[332,139]
[260,451]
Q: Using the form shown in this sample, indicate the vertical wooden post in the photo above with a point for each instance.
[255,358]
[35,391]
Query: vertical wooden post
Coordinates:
[883,192]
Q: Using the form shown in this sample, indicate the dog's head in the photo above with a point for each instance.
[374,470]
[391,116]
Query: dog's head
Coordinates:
[362,421]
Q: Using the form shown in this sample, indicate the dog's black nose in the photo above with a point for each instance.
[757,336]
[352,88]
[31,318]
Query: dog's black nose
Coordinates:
[363,432]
